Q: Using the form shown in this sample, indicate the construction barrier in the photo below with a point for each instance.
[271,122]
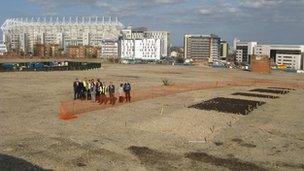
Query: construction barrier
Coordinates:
[72,108]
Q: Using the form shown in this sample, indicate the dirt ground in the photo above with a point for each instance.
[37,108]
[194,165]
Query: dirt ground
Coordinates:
[154,134]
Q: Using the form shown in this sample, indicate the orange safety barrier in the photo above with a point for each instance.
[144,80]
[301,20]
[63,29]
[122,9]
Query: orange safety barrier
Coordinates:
[72,108]
[65,115]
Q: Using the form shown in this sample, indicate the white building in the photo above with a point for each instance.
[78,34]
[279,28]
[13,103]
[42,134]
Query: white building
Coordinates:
[2,48]
[138,33]
[109,49]
[143,33]
[289,55]
[235,41]
[164,37]
[244,51]
[145,49]
[22,34]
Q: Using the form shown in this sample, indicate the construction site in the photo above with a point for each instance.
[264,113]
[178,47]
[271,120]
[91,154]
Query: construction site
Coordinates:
[179,118]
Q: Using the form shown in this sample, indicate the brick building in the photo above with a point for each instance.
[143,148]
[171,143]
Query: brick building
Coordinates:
[83,51]
[47,50]
[260,64]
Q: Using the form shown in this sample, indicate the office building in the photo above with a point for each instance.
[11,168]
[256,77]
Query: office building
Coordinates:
[22,34]
[224,50]
[289,55]
[202,47]
[144,49]
[244,51]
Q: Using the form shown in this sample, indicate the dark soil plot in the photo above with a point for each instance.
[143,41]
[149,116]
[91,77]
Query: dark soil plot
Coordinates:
[270,91]
[255,95]
[229,163]
[8,162]
[229,105]
[281,88]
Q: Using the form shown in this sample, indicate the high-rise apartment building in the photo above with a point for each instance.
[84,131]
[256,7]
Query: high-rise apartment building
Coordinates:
[202,47]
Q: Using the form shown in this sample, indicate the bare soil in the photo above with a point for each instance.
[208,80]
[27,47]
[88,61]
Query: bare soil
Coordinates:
[155,132]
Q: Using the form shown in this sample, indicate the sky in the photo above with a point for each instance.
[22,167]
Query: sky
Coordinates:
[266,21]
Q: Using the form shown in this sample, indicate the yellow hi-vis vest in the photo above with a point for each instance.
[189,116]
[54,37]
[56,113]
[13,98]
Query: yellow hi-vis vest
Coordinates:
[88,86]
[84,84]
[103,89]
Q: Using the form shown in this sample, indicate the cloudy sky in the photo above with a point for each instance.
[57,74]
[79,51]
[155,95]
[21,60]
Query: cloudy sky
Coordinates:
[268,21]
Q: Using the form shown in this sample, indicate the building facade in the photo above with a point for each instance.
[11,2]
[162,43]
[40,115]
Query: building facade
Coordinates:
[235,41]
[22,34]
[3,49]
[164,37]
[138,33]
[143,33]
[202,47]
[109,49]
[47,50]
[224,50]
[144,49]
[126,33]
[244,51]
[81,52]
[289,55]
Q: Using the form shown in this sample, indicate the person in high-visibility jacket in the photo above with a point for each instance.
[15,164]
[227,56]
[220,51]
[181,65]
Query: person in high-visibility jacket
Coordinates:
[84,89]
[103,96]
[88,89]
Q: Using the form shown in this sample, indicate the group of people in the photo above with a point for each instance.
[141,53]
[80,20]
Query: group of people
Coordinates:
[99,92]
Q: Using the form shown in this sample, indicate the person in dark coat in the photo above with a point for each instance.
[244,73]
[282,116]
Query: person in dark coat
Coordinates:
[127,90]
[98,93]
[111,90]
[76,89]
[82,94]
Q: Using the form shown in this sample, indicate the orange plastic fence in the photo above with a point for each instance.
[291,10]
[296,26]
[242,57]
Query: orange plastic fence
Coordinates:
[72,108]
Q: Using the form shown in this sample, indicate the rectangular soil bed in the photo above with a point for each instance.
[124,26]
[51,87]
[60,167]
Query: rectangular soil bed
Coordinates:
[255,95]
[228,105]
[261,90]
[281,88]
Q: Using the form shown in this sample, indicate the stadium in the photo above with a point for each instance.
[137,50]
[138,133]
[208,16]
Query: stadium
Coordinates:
[26,36]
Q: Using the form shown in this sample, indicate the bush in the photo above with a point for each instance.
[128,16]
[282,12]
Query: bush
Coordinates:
[166,82]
